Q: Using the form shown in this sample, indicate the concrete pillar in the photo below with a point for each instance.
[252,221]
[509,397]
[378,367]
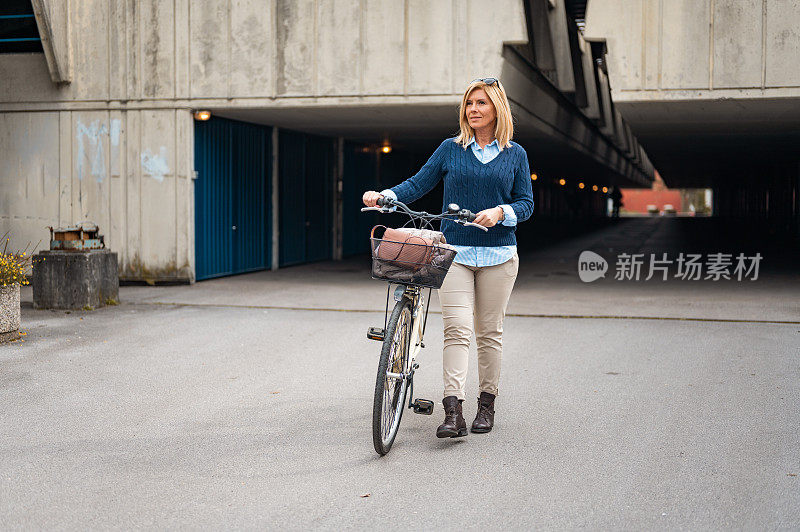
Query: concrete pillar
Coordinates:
[796,206]
[275,205]
[338,220]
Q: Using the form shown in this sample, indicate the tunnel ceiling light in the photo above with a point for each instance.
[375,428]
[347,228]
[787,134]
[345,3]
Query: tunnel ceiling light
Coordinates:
[534,177]
[386,147]
[562,182]
[605,189]
[202,115]
[581,185]
[594,187]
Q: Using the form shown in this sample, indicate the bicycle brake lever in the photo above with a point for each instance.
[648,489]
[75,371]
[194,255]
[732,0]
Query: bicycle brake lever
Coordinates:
[485,229]
[381,209]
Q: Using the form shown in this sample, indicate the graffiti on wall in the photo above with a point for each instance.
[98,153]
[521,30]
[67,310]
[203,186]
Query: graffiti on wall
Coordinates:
[92,157]
[90,149]
[155,164]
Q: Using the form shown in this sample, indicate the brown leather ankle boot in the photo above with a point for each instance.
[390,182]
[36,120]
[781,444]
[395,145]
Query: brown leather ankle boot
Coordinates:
[454,425]
[484,419]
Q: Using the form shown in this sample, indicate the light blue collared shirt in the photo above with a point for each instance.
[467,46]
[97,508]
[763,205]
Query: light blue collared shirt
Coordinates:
[487,153]
[481,256]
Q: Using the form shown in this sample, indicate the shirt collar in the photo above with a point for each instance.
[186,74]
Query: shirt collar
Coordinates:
[475,142]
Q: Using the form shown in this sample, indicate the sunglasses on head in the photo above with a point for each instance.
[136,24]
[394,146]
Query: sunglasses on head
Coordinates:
[488,81]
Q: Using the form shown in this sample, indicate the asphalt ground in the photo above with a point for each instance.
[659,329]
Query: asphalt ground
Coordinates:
[245,402]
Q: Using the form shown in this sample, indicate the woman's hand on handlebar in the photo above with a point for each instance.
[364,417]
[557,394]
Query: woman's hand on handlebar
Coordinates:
[370,198]
[489,217]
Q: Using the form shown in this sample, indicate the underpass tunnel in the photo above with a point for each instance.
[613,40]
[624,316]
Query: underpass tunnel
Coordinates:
[755,206]
[728,159]
[569,198]
[322,177]
[318,182]
[744,154]
[711,91]
[742,165]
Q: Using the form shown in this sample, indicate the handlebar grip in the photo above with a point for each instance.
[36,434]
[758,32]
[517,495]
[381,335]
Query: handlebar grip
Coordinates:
[467,215]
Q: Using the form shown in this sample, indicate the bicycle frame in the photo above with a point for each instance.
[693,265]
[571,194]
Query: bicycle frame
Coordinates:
[419,318]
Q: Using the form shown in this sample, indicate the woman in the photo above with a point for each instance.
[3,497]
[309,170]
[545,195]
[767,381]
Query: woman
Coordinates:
[487,173]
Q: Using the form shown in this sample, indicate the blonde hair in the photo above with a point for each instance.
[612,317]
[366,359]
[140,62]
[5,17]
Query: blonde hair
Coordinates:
[504,128]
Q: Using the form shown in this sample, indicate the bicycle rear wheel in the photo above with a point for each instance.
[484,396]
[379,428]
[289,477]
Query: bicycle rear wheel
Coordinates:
[390,388]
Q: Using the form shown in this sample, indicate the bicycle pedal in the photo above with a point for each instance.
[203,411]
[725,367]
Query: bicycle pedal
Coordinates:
[423,406]
[376,333]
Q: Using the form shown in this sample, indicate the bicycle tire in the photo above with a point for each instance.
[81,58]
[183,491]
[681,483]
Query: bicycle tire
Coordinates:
[394,353]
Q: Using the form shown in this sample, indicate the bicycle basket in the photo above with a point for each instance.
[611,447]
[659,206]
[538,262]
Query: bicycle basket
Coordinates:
[400,258]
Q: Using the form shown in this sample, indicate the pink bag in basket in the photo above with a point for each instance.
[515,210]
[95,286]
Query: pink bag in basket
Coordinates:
[402,248]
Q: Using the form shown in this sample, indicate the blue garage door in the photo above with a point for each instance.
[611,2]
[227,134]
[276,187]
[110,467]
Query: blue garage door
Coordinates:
[360,175]
[232,197]
[306,164]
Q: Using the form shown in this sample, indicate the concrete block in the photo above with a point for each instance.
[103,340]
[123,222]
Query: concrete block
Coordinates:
[296,38]
[75,280]
[652,43]
[89,49]
[592,108]
[474,58]
[562,53]
[685,48]
[783,42]
[158,70]
[252,48]
[9,313]
[337,71]
[384,47]
[209,57]
[430,47]
[52,19]
[737,43]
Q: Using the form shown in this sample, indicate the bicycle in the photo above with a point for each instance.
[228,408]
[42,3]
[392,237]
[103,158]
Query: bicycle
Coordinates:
[403,330]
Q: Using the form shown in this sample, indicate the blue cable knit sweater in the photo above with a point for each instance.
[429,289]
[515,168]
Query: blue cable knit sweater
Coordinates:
[505,180]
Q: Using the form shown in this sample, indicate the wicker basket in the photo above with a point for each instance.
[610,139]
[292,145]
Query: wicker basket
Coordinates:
[429,273]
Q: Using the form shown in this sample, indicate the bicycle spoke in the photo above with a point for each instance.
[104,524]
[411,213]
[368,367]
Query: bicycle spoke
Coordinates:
[393,382]
[392,393]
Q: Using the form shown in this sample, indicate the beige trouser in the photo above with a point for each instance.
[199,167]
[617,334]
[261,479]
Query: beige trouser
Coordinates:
[468,291]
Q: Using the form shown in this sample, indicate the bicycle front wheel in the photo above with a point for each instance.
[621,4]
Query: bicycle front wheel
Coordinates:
[391,386]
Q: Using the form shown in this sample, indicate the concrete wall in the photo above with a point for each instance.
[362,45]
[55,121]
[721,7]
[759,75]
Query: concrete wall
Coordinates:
[115,144]
[128,171]
[679,49]
[176,50]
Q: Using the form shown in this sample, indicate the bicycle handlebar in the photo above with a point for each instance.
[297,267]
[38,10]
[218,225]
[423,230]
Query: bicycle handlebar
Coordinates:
[454,213]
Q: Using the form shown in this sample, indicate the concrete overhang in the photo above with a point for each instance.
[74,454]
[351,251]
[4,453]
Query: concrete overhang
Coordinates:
[412,121]
[53,22]
[545,114]
[590,140]
[560,140]
[694,142]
